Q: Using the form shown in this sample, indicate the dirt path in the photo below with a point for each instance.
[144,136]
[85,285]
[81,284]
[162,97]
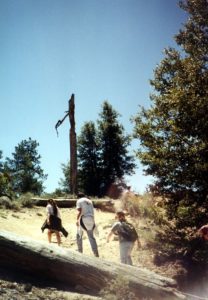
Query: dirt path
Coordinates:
[27,222]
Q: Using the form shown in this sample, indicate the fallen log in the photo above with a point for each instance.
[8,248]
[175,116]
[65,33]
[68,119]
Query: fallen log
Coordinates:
[104,205]
[71,268]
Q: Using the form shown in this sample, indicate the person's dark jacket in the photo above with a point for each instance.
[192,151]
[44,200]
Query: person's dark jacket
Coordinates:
[55,224]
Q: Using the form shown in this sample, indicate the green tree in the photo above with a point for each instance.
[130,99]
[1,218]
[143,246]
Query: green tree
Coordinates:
[64,182]
[103,157]
[115,161]
[174,131]
[89,160]
[5,186]
[24,168]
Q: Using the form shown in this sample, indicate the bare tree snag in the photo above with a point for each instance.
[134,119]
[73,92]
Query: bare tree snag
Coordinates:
[73,148]
[46,261]
[72,144]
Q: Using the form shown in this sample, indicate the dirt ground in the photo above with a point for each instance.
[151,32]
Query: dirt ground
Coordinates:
[27,222]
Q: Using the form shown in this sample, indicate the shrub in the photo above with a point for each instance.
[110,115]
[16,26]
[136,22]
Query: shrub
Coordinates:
[26,200]
[191,215]
[143,207]
[7,203]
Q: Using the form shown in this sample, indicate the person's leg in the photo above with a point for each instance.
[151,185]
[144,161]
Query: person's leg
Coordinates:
[125,252]
[129,250]
[79,240]
[93,242]
[122,250]
[49,235]
[58,237]
[129,260]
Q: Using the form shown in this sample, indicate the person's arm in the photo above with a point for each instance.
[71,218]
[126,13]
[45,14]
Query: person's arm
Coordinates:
[48,213]
[78,216]
[58,213]
[109,236]
[114,230]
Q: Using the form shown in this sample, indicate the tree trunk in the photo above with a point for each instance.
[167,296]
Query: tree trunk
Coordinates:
[73,148]
[72,268]
[105,205]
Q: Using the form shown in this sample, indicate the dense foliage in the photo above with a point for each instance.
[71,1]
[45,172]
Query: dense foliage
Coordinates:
[24,169]
[103,157]
[174,130]
[5,186]
[89,159]
[115,160]
[64,182]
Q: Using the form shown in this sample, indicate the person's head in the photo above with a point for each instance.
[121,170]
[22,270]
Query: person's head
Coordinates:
[53,203]
[120,215]
[80,195]
[50,201]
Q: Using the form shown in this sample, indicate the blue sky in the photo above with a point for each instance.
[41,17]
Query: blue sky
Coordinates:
[97,49]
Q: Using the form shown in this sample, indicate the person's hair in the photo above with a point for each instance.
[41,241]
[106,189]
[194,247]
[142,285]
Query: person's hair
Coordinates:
[54,205]
[120,213]
[80,195]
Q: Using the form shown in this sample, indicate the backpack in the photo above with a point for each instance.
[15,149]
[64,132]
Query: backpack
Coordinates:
[128,232]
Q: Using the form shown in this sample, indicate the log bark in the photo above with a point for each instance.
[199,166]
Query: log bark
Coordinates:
[105,205]
[72,268]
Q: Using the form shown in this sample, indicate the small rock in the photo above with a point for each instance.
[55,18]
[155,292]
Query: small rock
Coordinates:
[2,291]
[28,287]
[39,214]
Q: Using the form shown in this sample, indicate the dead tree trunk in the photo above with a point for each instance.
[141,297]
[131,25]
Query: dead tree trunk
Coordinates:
[73,148]
[72,145]
[45,261]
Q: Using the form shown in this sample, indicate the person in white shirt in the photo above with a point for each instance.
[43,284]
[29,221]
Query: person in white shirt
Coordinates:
[85,222]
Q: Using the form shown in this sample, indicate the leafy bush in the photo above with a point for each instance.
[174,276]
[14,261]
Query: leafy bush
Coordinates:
[143,207]
[191,215]
[7,203]
[26,200]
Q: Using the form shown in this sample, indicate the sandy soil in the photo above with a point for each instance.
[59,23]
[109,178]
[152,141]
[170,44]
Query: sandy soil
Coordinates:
[27,222]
